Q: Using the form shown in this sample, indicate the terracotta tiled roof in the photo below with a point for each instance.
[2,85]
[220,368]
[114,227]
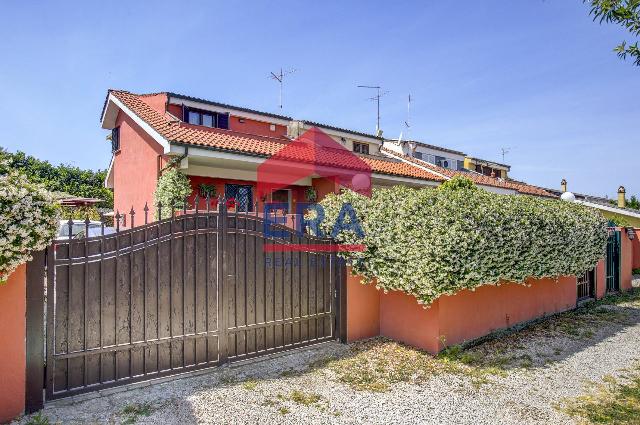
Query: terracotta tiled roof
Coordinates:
[475,177]
[400,169]
[228,140]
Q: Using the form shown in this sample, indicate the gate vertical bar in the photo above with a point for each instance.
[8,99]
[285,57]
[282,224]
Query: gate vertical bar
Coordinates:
[50,313]
[34,396]
[341,298]
[223,228]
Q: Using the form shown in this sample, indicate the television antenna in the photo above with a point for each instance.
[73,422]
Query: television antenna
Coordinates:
[406,123]
[377,99]
[279,77]
[504,152]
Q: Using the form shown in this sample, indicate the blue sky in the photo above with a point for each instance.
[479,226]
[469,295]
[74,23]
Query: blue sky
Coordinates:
[538,77]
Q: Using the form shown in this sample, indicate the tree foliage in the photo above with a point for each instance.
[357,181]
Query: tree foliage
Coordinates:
[61,178]
[632,202]
[622,12]
[428,243]
[172,190]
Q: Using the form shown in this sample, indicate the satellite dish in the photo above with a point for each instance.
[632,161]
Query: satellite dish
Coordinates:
[568,196]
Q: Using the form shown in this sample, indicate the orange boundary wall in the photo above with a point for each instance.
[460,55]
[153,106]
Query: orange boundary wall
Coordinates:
[12,345]
[456,318]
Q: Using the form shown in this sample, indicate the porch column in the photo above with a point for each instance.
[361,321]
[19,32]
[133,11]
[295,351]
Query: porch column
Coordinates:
[324,186]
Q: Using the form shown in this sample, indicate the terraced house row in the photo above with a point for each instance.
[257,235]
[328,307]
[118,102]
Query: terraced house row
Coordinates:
[220,148]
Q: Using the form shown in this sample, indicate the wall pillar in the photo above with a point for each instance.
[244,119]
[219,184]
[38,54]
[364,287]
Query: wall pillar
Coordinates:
[324,186]
[34,374]
[601,279]
[12,345]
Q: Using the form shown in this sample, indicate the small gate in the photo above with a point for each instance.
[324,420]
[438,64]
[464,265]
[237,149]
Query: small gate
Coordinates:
[189,292]
[586,286]
[613,261]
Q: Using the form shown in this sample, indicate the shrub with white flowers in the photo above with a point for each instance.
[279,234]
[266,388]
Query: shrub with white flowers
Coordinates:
[28,221]
[428,242]
[172,190]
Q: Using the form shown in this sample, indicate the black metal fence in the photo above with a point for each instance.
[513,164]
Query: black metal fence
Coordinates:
[197,289]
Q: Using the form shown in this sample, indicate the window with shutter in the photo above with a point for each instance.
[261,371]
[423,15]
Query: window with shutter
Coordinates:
[361,148]
[223,121]
[206,118]
[115,139]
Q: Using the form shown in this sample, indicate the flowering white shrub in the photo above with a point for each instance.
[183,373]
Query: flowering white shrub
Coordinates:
[428,242]
[28,221]
[172,190]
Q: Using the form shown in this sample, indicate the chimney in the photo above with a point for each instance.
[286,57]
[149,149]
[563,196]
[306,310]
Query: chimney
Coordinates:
[563,185]
[622,202]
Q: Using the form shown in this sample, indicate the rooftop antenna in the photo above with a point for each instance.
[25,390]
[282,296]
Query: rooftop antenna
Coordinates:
[377,99]
[280,79]
[406,123]
[504,152]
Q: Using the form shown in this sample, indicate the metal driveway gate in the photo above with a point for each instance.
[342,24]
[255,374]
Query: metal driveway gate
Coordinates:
[184,293]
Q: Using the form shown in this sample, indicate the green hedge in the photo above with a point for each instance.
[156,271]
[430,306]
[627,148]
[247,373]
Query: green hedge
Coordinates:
[430,242]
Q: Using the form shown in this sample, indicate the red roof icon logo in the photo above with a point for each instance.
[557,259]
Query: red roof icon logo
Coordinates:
[314,154]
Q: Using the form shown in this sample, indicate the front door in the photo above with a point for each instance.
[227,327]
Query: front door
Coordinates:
[242,194]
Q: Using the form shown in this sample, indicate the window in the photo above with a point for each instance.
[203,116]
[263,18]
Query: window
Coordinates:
[115,139]
[272,127]
[444,162]
[487,171]
[417,155]
[361,148]
[282,196]
[429,158]
[194,118]
[206,118]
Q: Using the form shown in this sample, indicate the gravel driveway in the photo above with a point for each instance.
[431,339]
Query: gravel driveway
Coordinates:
[518,378]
